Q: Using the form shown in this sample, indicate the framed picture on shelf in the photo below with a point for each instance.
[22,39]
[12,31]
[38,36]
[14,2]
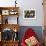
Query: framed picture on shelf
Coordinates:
[5,12]
[29,14]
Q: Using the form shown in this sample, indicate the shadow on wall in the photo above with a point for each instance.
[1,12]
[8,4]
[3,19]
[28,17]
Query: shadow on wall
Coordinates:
[37,29]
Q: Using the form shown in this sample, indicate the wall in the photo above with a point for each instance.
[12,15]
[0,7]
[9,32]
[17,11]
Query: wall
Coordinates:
[27,4]
[35,4]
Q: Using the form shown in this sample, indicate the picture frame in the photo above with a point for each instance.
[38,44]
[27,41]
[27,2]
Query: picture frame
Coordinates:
[5,12]
[29,14]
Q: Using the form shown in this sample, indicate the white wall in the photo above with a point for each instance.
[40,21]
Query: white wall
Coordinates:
[27,4]
[7,3]
[35,4]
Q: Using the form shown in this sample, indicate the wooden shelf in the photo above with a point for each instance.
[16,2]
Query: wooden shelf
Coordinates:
[5,8]
[10,41]
[10,26]
[4,13]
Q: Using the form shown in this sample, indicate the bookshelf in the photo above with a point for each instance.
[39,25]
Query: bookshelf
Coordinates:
[6,24]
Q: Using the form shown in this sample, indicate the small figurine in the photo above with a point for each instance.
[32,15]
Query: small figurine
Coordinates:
[6,21]
[15,3]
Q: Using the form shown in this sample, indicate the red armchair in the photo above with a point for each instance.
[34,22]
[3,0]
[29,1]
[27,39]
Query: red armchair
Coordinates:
[30,39]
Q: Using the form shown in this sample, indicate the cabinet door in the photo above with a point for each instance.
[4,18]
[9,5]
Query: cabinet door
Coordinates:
[5,12]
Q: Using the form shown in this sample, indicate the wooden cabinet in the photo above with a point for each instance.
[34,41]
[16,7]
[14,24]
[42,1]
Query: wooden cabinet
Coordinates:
[5,26]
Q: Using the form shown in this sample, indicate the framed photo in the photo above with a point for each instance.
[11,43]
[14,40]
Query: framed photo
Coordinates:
[5,12]
[29,14]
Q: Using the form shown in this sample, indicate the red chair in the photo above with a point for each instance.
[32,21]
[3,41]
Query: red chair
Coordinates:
[29,33]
